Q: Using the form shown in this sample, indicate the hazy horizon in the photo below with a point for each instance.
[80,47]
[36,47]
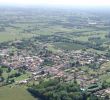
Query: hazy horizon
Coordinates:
[56,3]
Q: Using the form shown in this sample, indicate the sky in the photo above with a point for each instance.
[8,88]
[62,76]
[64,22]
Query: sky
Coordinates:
[57,2]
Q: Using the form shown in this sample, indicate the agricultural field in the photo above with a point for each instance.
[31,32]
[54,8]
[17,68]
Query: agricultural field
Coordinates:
[77,25]
[4,37]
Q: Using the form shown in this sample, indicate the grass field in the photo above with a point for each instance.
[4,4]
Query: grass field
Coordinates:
[106,76]
[15,93]
[13,36]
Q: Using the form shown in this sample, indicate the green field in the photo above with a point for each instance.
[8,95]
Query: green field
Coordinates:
[15,93]
[13,36]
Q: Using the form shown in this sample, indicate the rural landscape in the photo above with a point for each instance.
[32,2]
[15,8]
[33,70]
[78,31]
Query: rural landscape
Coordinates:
[54,54]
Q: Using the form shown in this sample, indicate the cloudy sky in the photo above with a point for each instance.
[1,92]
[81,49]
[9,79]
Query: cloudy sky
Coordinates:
[58,2]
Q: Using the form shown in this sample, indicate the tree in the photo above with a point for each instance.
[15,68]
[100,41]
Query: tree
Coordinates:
[106,97]
[1,79]
[9,70]
[108,35]
[93,97]
[1,71]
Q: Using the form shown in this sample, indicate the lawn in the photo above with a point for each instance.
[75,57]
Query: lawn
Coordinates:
[15,93]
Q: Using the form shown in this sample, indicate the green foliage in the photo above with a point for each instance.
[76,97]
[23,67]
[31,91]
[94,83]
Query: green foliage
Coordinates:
[57,90]
[1,71]
[47,62]
[14,75]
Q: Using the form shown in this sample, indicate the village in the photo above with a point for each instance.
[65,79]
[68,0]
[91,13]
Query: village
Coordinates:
[66,65]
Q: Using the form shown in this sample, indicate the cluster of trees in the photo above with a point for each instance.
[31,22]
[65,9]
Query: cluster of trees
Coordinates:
[108,35]
[1,77]
[3,80]
[94,65]
[94,38]
[56,90]
[14,75]
[2,29]
[59,90]
[10,76]
[96,44]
